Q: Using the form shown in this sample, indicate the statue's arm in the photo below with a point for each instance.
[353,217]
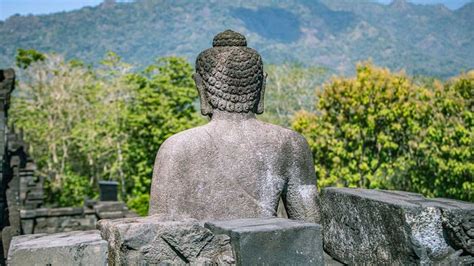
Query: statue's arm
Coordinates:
[300,195]
[163,171]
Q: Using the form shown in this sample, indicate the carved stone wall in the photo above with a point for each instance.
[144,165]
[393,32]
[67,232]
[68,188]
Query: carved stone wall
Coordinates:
[22,189]
[7,84]
[55,220]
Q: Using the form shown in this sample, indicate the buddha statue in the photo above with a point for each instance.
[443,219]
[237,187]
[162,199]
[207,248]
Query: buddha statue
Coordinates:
[235,166]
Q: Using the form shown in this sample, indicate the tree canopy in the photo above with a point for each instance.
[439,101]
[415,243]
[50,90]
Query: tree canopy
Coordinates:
[383,130]
[85,124]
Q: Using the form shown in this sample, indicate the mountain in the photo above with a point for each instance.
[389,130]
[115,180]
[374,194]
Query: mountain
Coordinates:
[423,39]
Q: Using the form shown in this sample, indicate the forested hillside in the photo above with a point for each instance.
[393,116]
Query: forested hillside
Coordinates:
[424,40]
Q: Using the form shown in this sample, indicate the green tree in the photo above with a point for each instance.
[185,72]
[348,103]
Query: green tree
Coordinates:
[163,105]
[444,154]
[382,130]
[85,124]
[101,131]
[52,98]
[290,88]
[25,58]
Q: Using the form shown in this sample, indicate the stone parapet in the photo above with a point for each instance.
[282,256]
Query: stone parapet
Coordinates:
[364,226]
[272,241]
[54,220]
[71,248]
[46,220]
[152,240]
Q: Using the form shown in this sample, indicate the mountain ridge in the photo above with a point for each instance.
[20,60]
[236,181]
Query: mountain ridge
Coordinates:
[425,40]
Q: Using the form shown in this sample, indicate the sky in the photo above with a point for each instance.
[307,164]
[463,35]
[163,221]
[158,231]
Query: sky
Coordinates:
[25,7]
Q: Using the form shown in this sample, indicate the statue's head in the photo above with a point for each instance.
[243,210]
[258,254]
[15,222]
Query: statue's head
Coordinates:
[229,76]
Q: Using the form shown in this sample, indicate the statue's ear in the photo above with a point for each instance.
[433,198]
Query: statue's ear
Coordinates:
[206,108]
[260,106]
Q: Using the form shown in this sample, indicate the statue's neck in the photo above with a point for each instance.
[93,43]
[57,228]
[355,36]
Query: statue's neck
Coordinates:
[218,115]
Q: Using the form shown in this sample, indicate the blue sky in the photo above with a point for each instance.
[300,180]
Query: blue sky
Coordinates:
[24,7]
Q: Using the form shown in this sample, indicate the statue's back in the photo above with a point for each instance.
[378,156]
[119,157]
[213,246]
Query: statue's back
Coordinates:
[223,170]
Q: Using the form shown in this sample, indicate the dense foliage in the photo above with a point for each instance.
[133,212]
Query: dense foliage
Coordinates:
[86,124]
[50,105]
[289,89]
[425,39]
[383,130]
[163,106]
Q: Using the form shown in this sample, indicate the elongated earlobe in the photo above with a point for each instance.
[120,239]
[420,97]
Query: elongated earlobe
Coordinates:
[206,108]
[260,106]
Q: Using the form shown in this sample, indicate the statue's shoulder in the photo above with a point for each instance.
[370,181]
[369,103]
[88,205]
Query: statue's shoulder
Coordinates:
[183,141]
[286,135]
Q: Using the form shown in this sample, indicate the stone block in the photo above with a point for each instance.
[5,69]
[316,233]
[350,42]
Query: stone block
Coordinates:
[364,226]
[111,215]
[27,214]
[8,233]
[66,211]
[27,226]
[108,190]
[36,195]
[72,248]
[272,241]
[45,220]
[329,261]
[458,223]
[88,221]
[152,240]
[41,226]
[109,206]
[110,210]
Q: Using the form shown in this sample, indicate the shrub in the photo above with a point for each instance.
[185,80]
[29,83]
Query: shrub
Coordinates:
[382,130]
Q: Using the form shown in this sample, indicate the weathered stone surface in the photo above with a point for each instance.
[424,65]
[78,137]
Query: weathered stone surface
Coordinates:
[31,186]
[55,220]
[330,261]
[391,227]
[235,166]
[72,248]
[8,233]
[46,220]
[152,240]
[12,193]
[110,209]
[65,211]
[458,223]
[272,241]
[108,190]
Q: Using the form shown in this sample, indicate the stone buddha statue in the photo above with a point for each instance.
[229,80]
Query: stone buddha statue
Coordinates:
[235,166]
